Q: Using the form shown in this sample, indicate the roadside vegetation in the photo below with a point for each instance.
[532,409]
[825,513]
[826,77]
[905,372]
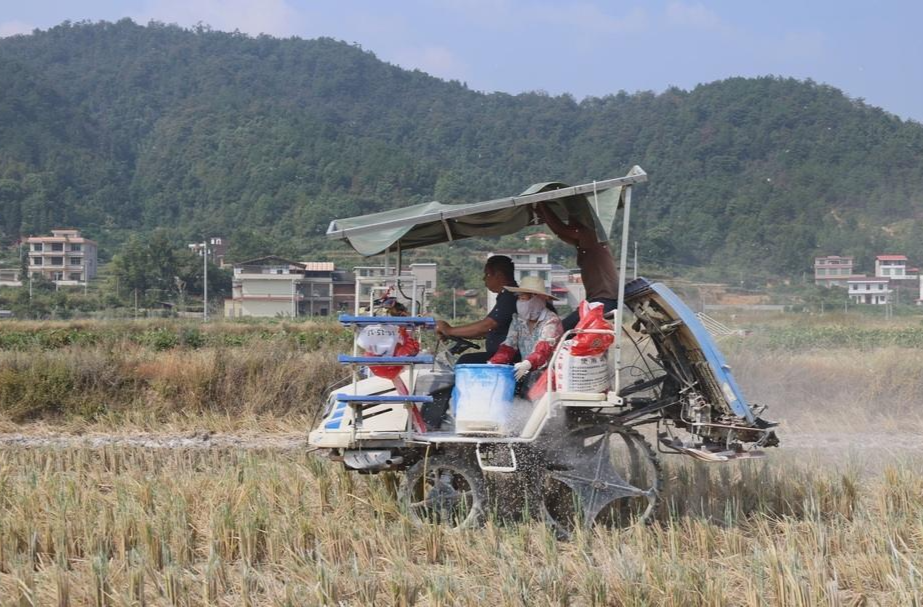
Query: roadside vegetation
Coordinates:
[152,372]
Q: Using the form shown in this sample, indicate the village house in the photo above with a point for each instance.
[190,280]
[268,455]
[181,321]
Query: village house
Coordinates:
[9,277]
[65,257]
[892,282]
[869,290]
[344,291]
[832,270]
[894,267]
[273,286]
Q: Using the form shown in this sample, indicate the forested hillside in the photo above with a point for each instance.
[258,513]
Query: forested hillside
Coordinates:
[117,128]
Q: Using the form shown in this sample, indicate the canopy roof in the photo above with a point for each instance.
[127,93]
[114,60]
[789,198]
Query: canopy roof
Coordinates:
[433,222]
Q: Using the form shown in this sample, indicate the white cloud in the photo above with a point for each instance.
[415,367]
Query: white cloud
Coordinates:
[436,60]
[693,16]
[273,17]
[11,28]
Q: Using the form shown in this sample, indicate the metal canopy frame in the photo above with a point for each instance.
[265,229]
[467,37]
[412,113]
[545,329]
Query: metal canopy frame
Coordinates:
[635,175]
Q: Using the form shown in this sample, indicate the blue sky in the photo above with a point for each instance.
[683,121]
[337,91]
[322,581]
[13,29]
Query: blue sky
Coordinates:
[872,51]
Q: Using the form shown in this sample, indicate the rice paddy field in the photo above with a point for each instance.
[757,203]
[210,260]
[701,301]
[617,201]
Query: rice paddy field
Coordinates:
[165,464]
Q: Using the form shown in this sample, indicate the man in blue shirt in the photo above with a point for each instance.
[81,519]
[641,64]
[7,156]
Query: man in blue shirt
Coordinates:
[498,274]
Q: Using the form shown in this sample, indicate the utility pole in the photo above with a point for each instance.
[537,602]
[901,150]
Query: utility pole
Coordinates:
[636,260]
[205,280]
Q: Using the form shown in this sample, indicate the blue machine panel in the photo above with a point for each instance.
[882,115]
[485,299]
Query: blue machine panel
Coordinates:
[699,334]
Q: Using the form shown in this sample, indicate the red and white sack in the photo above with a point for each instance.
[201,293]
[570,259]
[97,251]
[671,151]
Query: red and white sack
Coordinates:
[379,340]
[591,317]
[387,340]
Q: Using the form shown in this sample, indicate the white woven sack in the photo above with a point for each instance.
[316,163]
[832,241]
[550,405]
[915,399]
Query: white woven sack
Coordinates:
[581,373]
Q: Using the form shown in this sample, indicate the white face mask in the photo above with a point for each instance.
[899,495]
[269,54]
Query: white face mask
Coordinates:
[530,309]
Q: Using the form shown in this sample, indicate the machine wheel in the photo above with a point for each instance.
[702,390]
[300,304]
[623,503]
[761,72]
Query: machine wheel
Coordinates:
[600,474]
[448,489]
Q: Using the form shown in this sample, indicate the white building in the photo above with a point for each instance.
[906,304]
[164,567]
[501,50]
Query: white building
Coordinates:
[273,286]
[65,257]
[425,273]
[892,266]
[866,290]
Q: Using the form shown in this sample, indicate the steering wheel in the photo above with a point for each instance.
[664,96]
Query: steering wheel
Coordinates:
[460,344]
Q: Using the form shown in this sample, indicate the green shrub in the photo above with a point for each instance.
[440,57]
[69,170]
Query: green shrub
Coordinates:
[36,388]
[159,339]
[191,337]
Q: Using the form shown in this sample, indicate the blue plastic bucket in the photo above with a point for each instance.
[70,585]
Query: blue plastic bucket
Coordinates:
[482,399]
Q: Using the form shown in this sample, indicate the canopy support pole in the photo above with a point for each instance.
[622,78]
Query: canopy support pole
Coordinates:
[623,267]
[448,231]
[397,280]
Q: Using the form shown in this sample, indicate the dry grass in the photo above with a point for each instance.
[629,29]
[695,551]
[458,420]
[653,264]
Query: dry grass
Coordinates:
[840,389]
[135,383]
[278,376]
[131,527]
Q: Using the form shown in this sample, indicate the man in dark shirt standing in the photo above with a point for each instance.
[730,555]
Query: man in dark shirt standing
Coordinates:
[597,266]
[498,274]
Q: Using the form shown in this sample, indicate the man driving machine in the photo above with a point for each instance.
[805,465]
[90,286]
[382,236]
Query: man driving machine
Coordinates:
[498,275]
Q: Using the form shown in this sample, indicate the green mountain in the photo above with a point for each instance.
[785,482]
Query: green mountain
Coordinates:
[117,127]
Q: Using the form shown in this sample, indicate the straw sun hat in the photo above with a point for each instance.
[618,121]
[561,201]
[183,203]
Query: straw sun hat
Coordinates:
[534,285]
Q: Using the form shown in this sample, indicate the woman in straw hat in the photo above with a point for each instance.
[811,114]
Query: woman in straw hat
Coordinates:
[534,331]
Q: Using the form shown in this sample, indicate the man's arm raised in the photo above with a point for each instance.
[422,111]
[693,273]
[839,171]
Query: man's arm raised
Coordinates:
[566,233]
